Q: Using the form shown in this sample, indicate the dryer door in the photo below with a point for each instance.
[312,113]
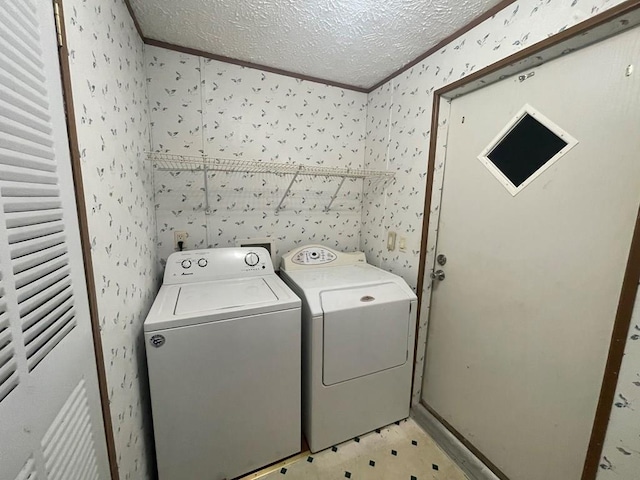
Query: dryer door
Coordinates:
[366,330]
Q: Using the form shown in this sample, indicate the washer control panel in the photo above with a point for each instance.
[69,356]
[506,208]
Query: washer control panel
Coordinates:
[217,263]
[319,256]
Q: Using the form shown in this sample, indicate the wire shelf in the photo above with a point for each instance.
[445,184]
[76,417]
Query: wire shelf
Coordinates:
[205,164]
[169,161]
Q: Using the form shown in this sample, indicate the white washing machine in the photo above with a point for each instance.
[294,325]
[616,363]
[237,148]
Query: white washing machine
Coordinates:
[358,325]
[223,351]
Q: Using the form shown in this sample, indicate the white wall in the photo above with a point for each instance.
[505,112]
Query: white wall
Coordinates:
[398,122]
[200,105]
[108,80]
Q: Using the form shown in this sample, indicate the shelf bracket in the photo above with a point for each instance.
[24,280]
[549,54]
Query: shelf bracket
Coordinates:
[207,206]
[295,176]
[333,197]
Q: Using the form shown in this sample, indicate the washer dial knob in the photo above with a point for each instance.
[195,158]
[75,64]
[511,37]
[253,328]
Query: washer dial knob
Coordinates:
[186,263]
[251,259]
[202,262]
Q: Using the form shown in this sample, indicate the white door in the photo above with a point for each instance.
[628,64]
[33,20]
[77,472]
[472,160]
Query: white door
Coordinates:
[521,324]
[50,418]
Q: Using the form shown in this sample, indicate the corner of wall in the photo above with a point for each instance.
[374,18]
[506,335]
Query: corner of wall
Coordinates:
[112,113]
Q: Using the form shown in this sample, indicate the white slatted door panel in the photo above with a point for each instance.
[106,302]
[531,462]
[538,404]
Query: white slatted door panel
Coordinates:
[50,418]
[40,263]
[8,365]
[68,444]
[28,472]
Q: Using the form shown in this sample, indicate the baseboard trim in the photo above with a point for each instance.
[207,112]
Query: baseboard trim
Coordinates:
[472,467]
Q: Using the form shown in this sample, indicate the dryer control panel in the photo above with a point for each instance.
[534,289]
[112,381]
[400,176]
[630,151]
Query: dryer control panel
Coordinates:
[217,263]
[319,256]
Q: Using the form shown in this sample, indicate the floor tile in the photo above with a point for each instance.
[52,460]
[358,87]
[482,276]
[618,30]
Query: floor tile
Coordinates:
[401,451]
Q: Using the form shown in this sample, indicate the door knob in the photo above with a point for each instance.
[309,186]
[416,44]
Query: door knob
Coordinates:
[437,275]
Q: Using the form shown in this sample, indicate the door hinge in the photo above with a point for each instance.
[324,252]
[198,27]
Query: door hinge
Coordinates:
[58,20]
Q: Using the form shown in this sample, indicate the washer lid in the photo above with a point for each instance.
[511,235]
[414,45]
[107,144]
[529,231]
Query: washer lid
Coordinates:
[204,302]
[311,282]
[205,297]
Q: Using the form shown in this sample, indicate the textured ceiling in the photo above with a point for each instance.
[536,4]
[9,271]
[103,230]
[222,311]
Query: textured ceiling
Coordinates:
[356,42]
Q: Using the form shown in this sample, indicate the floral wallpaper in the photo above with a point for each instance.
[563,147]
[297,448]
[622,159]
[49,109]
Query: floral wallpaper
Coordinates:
[198,105]
[621,452]
[109,88]
[397,138]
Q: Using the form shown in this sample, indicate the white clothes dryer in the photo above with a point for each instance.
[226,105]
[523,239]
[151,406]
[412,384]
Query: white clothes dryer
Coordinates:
[223,351]
[358,327]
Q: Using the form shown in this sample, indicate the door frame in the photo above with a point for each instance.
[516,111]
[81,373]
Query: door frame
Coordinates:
[592,30]
[85,239]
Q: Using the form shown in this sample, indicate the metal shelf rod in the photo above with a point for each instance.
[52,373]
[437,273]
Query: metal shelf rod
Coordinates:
[333,197]
[167,161]
[207,206]
[173,162]
[293,180]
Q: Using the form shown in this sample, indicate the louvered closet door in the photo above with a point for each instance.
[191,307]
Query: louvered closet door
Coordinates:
[50,418]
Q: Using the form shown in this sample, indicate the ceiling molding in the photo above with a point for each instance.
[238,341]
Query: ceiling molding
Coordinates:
[192,51]
[135,20]
[256,66]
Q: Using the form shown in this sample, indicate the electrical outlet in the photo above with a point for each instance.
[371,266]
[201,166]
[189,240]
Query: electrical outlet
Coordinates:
[179,236]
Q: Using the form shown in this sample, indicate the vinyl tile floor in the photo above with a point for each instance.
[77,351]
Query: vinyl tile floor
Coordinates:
[401,451]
